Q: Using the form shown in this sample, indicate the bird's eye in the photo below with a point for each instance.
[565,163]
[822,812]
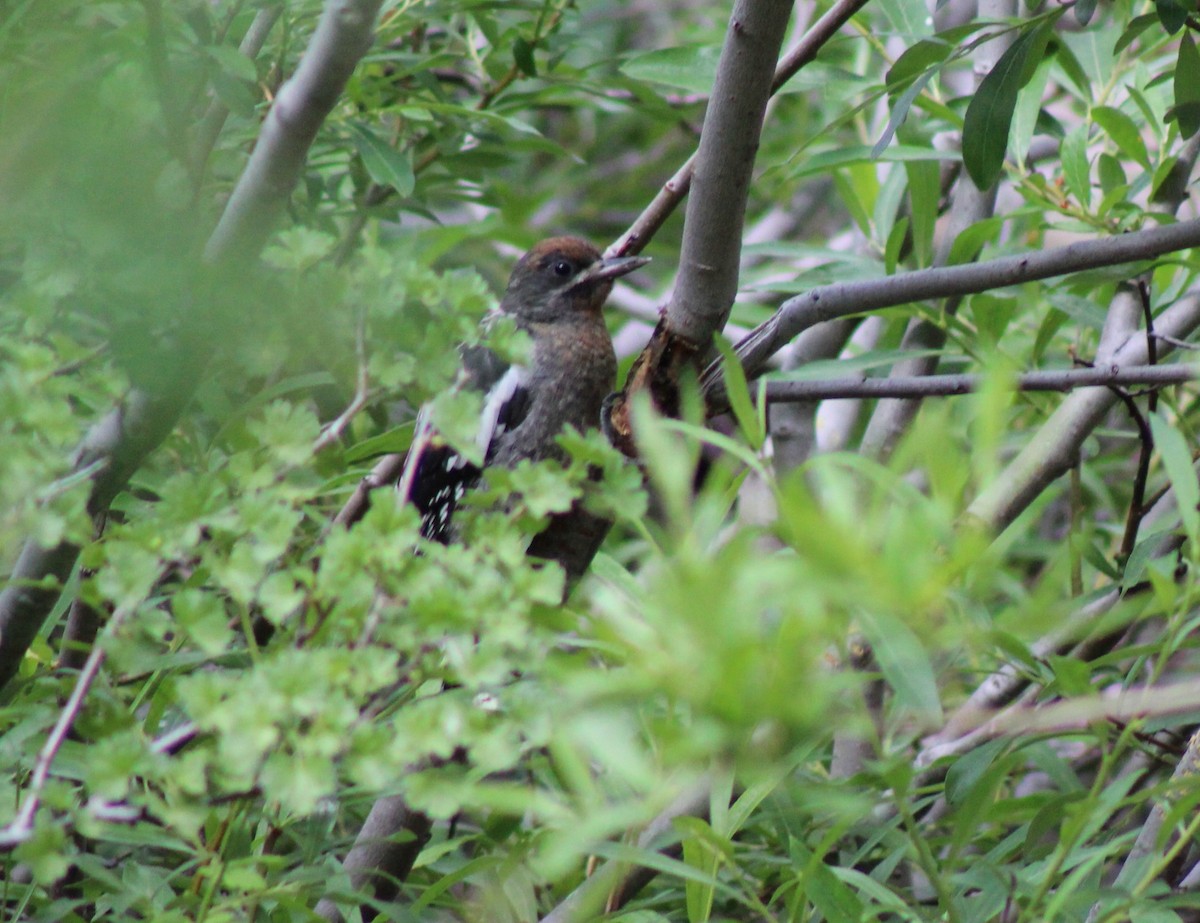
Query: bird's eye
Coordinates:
[562,269]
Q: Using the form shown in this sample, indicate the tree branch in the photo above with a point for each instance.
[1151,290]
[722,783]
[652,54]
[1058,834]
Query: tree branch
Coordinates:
[342,37]
[949,385]
[380,858]
[843,299]
[674,190]
[119,443]
[1052,451]
[711,250]
[21,826]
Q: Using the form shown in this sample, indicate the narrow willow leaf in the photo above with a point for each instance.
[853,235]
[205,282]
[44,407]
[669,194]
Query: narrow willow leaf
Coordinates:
[1124,133]
[1136,27]
[739,396]
[1075,166]
[1172,14]
[1177,459]
[989,116]
[1187,87]
[387,166]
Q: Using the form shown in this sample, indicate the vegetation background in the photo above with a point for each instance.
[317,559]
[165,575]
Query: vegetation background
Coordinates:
[897,655]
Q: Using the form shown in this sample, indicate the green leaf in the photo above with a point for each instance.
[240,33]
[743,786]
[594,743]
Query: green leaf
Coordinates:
[387,166]
[1136,27]
[1072,675]
[989,115]
[522,51]
[924,191]
[233,62]
[967,245]
[1187,87]
[1112,173]
[904,663]
[836,902]
[1177,459]
[895,242]
[45,851]
[202,615]
[920,59]
[686,67]
[1144,552]
[969,768]
[749,419]
[1029,107]
[1084,9]
[900,113]
[456,414]
[1075,166]
[1172,14]
[393,441]
[1123,131]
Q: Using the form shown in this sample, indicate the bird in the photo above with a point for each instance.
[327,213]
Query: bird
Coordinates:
[556,294]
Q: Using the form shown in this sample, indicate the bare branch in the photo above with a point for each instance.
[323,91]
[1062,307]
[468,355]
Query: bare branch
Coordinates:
[1114,704]
[948,385]
[382,855]
[1146,850]
[21,826]
[711,250]
[843,299]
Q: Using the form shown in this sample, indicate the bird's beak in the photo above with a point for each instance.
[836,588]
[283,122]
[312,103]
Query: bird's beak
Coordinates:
[608,269]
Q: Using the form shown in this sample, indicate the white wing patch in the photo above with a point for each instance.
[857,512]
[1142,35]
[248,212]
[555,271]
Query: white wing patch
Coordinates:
[492,423]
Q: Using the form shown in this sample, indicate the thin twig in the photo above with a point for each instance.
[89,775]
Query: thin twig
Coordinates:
[21,826]
[386,471]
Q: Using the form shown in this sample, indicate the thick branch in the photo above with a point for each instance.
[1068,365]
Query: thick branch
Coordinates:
[948,385]
[676,188]
[845,298]
[712,238]
[342,38]
[383,854]
[708,277]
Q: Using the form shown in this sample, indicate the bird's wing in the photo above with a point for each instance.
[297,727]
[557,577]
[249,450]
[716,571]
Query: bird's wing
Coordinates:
[440,476]
[506,405]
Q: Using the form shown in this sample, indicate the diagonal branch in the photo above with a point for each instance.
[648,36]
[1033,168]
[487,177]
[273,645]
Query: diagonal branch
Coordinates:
[676,188]
[843,299]
[119,444]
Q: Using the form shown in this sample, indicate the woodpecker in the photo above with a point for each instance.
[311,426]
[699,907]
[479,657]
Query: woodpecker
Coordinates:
[555,294]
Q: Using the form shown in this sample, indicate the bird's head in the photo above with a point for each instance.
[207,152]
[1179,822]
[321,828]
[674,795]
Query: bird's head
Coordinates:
[561,278]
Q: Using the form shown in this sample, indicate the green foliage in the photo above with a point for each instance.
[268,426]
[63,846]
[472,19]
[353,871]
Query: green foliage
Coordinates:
[267,674]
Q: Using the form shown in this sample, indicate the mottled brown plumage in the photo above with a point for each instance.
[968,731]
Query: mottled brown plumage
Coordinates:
[556,293]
